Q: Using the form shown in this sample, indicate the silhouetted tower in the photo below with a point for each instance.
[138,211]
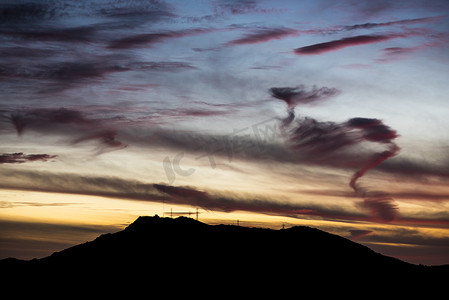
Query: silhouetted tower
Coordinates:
[183,213]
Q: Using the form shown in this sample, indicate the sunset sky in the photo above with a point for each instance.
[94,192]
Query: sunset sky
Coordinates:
[331,114]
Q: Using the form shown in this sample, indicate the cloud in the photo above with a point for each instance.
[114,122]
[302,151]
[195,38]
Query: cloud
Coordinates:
[118,14]
[299,95]
[329,144]
[11,204]
[380,204]
[396,53]
[345,42]
[69,122]
[240,7]
[113,128]
[131,14]
[148,39]
[357,234]
[17,13]
[369,9]
[335,144]
[69,72]
[66,35]
[263,35]
[46,119]
[392,23]
[19,158]
[415,168]
[119,188]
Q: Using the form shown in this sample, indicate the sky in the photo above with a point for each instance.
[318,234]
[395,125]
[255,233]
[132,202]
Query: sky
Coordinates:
[330,114]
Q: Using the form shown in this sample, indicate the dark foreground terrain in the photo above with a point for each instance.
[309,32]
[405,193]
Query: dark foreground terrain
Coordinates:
[185,251]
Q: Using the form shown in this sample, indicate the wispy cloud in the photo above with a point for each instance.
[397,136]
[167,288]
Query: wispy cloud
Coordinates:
[241,7]
[396,53]
[82,71]
[264,35]
[148,39]
[69,122]
[119,188]
[19,158]
[12,204]
[357,234]
[393,23]
[364,39]
[344,42]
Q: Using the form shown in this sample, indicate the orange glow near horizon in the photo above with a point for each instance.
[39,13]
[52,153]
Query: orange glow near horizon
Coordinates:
[54,211]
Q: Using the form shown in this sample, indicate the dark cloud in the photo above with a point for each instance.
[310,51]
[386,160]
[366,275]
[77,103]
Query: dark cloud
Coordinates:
[69,122]
[144,11]
[392,23]
[19,157]
[90,68]
[109,127]
[366,9]
[47,119]
[72,35]
[239,7]
[300,95]
[114,187]
[24,52]
[50,22]
[170,66]
[148,39]
[379,204]
[18,13]
[264,35]
[415,168]
[129,14]
[345,42]
[335,144]
[69,54]
[309,141]
[192,112]
[139,40]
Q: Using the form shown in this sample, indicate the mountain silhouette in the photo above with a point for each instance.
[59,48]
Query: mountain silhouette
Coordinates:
[184,250]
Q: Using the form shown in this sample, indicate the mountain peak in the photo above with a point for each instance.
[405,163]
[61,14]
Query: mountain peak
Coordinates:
[164,244]
[143,223]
